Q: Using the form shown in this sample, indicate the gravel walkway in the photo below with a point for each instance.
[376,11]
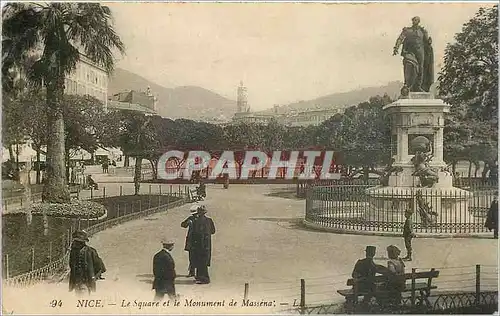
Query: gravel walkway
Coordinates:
[258,241]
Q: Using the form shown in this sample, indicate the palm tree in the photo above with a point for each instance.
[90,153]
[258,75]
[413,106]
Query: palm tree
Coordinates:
[60,32]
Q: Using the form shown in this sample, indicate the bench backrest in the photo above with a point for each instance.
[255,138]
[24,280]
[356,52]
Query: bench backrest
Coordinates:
[429,275]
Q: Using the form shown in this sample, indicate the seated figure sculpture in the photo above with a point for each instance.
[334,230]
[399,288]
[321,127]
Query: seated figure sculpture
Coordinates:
[428,177]
[427,215]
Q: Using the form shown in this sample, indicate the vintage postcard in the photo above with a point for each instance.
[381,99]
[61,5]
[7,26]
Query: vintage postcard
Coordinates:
[249,158]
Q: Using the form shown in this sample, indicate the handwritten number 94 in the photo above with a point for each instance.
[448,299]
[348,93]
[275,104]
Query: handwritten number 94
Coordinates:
[56,303]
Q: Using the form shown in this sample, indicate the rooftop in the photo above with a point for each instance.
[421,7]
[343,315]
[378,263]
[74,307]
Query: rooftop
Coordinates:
[116,105]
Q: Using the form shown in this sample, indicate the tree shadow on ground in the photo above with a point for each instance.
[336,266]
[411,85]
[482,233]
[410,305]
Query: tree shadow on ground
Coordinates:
[148,278]
[285,194]
[289,223]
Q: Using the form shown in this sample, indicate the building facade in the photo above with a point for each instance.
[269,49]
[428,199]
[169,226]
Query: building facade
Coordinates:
[289,117]
[132,100]
[88,79]
[310,117]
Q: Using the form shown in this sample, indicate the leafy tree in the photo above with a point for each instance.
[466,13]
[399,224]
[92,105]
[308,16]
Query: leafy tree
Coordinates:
[243,136]
[469,82]
[83,117]
[13,125]
[57,31]
[36,124]
[361,134]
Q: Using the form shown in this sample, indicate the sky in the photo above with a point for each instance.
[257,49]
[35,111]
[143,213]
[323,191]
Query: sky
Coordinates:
[283,52]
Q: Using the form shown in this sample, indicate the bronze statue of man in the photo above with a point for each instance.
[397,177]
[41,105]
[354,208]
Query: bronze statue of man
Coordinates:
[418,58]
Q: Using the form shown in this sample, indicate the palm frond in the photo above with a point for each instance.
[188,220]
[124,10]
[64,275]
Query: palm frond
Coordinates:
[91,26]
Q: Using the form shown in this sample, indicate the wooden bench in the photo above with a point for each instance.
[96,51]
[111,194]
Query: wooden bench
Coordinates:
[420,282]
[75,190]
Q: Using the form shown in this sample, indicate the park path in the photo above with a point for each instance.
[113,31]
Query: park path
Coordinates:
[257,241]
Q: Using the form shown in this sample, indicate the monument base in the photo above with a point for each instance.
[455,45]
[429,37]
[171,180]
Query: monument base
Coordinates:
[407,180]
[444,205]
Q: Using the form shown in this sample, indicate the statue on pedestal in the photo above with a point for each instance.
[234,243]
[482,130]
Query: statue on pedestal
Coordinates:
[418,58]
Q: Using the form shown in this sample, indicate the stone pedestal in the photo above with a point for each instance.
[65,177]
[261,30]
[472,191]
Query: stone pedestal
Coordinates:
[418,115]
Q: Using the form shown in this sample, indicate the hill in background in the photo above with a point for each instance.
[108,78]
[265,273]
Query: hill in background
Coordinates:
[343,99]
[201,104]
[188,101]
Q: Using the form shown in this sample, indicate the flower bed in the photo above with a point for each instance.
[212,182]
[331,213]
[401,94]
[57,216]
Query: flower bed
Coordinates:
[74,209]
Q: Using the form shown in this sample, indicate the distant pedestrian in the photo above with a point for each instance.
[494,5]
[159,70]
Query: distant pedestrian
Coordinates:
[408,234]
[105,166]
[164,272]
[201,189]
[189,223]
[82,275]
[492,217]
[203,229]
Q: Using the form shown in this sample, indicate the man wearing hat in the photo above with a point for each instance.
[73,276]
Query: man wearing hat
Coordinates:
[365,270]
[203,229]
[82,264]
[188,223]
[164,271]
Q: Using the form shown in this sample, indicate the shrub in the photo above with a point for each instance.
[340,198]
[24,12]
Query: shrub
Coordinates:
[73,209]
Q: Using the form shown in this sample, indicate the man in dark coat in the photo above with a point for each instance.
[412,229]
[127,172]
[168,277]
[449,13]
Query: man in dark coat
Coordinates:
[188,223]
[164,272]
[203,229]
[364,271]
[81,263]
[99,267]
[492,217]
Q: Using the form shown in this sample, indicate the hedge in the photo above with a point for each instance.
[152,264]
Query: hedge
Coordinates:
[73,209]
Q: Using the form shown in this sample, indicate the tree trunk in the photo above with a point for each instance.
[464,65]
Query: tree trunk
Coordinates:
[24,179]
[66,158]
[470,169]
[126,161]
[137,175]
[38,165]
[454,167]
[154,167]
[11,153]
[55,189]
[17,169]
[366,174]
[476,168]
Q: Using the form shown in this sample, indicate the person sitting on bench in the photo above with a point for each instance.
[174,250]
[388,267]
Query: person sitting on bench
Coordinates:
[395,273]
[364,271]
[91,183]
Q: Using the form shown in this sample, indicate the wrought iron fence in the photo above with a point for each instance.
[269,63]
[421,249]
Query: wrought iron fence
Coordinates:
[368,208]
[446,303]
[61,264]
[472,289]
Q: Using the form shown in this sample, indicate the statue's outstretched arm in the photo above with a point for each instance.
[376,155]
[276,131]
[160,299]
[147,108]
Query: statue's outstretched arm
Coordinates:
[399,41]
